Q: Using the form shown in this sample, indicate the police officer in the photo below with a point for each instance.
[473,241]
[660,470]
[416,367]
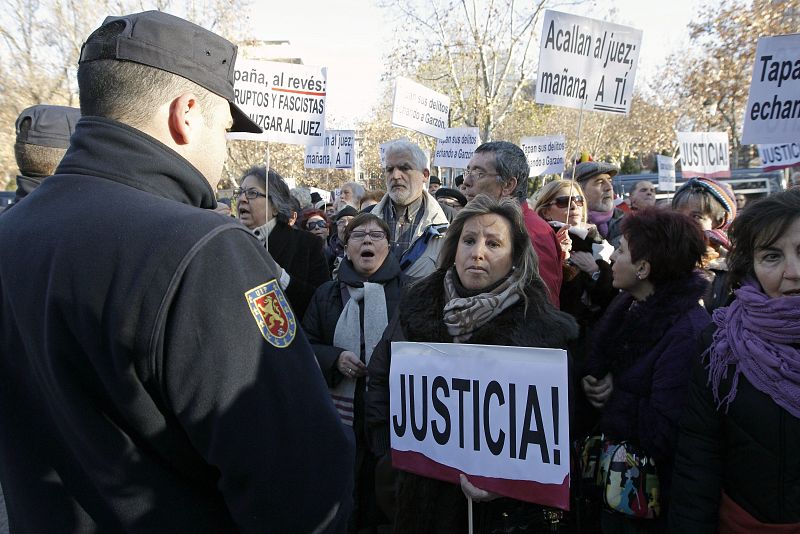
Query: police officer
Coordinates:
[43,133]
[153,377]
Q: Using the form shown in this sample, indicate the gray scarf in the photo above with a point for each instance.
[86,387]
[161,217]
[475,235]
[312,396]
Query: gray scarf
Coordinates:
[347,336]
[464,315]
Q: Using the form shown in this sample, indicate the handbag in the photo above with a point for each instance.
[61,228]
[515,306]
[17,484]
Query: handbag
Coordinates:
[625,477]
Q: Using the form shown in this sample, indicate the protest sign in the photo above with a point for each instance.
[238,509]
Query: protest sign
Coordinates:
[497,414]
[704,154]
[666,173]
[583,59]
[457,147]
[545,154]
[420,109]
[287,100]
[337,151]
[782,156]
[772,114]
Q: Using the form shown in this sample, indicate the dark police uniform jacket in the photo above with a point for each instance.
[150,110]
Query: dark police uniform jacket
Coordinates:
[153,377]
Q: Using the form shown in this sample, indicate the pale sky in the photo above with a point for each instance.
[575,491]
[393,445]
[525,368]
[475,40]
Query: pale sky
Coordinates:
[351,38]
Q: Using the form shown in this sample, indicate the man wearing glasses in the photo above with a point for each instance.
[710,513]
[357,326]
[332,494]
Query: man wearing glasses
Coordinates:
[499,169]
[416,221]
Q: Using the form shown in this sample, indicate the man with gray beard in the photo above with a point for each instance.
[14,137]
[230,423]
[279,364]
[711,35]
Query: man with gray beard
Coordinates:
[416,221]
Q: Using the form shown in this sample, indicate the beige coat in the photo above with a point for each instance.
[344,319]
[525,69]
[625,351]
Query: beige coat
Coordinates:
[432,215]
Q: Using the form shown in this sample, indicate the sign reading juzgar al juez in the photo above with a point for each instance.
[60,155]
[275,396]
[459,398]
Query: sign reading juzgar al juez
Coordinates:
[587,60]
[286,100]
[497,414]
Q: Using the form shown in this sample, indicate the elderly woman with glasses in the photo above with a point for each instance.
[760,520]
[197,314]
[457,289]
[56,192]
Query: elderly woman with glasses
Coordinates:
[344,322]
[586,289]
[298,254]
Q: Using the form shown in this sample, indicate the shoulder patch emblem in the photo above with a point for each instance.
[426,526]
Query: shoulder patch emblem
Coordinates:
[272,313]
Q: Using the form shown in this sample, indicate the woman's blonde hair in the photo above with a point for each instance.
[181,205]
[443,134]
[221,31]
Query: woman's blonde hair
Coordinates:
[551,190]
[525,261]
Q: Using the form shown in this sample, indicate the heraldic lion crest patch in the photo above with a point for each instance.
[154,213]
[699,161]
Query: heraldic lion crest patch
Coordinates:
[272,313]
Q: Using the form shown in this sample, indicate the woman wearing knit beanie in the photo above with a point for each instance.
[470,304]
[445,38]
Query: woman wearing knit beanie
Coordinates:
[713,205]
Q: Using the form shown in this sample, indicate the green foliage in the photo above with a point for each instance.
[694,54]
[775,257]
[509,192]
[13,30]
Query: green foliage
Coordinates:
[630,165]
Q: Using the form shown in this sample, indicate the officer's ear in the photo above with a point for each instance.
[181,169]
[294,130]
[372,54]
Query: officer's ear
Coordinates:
[185,118]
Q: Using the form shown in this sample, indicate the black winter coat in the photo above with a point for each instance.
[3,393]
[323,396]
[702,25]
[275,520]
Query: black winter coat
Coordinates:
[748,451]
[587,312]
[300,254]
[430,505]
[326,306]
[138,390]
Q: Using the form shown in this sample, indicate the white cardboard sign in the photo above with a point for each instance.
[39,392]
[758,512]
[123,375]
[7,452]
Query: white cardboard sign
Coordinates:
[772,114]
[497,414]
[420,109]
[457,148]
[779,156]
[337,152]
[285,99]
[704,154]
[545,154]
[666,173]
[583,59]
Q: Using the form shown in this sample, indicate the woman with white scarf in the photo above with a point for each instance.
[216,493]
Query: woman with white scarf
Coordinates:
[344,322]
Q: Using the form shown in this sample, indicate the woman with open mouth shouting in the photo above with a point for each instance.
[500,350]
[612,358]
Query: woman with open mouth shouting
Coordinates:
[344,322]
[298,254]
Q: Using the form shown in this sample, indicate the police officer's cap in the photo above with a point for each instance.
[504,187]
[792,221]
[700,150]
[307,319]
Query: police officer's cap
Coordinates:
[455,194]
[169,43]
[50,126]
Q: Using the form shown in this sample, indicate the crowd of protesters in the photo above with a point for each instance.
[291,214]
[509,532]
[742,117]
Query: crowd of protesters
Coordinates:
[168,364]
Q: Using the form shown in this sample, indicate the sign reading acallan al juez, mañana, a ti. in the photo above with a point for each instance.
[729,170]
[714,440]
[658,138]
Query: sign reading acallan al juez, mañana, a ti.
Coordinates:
[497,414]
[286,100]
[587,60]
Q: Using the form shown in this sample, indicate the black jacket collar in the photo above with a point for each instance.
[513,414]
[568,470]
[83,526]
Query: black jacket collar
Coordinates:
[389,270]
[99,146]
[26,184]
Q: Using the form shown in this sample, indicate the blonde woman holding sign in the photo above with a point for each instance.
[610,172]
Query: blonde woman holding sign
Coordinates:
[487,291]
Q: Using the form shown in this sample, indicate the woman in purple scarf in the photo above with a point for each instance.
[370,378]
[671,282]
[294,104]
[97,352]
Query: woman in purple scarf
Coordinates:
[737,467]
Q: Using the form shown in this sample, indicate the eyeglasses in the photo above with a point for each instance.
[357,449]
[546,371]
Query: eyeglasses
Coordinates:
[316,224]
[359,235]
[478,175]
[563,202]
[251,193]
